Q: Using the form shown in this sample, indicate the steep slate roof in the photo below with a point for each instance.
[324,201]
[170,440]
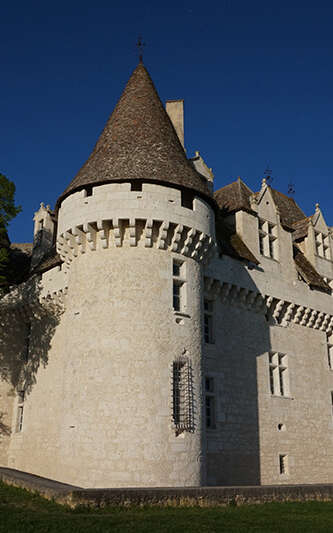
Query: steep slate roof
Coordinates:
[25,247]
[138,142]
[231,243]
[234,197]
[301,228]
[48,261]
[289,210]
[308,272]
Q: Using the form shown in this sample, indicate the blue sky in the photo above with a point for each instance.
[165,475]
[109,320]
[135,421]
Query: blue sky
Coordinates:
[256,77]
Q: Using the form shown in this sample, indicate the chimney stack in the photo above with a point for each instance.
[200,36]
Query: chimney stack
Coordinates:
[175,110]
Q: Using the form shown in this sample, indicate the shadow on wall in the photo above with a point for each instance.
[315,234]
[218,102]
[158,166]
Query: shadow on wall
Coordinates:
[26,329]
[4,428]
[242,336]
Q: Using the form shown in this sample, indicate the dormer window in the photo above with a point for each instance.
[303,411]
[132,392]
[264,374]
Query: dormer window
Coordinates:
[268,243]
[323,245]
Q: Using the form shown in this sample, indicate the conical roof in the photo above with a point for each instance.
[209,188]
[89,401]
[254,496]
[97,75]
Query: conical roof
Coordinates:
[138,142]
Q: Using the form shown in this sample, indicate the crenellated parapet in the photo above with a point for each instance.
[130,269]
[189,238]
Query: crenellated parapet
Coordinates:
[277,311]
[154,217]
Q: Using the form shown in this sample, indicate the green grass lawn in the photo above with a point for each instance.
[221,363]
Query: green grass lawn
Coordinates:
[25,512]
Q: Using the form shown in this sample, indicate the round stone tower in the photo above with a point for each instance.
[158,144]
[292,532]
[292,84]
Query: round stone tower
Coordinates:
[135,227]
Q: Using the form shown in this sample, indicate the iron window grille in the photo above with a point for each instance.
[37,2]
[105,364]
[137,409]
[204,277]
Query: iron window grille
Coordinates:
[182,396]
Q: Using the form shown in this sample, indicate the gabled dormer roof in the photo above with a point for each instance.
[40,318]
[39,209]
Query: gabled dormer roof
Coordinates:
[301,228]
[234,197]
[307,271]
[138,142]
[289,211]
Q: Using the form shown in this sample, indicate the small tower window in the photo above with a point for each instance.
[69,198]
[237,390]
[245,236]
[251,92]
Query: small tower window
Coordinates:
[210,403]
[20,408]
[179,285]
[283,464]
[329,345]
[208,320]
[187,198]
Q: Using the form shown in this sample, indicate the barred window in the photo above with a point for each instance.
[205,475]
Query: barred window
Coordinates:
[182,395]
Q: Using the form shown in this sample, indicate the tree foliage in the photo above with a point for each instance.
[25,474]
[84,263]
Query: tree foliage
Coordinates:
[8,210]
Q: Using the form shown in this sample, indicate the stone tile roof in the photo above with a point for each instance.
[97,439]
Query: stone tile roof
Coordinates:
[138,142]
[234,197]
[290,212]
[50,260]
[301,228]
[308,272]
[25,247]
[231,244]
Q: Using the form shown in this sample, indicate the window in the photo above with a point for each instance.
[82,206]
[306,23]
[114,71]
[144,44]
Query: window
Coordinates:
[210,402]
[283,464]
[329,351]
[176,296]
[20,406]
[182,396]
[208,321]
[178,291]
[323,245]
[278,374]
[268,243]
[187,198]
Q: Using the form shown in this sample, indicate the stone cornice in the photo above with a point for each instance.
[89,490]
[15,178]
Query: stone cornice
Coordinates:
[277,311]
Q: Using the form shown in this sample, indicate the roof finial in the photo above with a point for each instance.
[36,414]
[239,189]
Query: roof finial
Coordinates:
[317,207]
[140,45]
[291,188]
[268,174]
